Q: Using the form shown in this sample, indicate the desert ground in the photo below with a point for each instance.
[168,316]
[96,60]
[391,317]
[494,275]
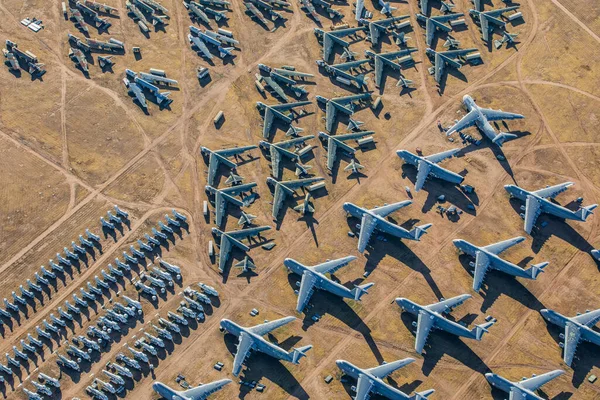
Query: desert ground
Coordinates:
[74,145]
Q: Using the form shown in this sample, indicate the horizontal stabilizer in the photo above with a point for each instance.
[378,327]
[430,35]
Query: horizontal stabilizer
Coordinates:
[503,137]
[537,269]
[422,395]
[297,354]
[419,231]
[479,330]
[585,212]
[361,290]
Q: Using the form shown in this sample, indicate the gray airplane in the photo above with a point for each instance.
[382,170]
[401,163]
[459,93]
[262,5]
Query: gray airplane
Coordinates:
[354,167]
[271,112]
[370,380]
[386,7]
[335,37]
[251,338]
[508,38]
[376,28]
[443,59]
[79,58]
[337,142]
[279,150]
[536,202]
[287,188]
[233,238]
[432,317]
[226,195]
[216,157]
[198,393]
[246,265]
[388,60]
[428,166]
[487,257]
[488,20]
[433,24]
[313,277]
[374,220]
[481,117]
[306,207]
[576,328]
[525,388]
[343,70]
[342,104]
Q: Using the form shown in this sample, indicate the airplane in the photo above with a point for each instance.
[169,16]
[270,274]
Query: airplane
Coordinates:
[226,195]
[313,277]
[432,317]
[162,98]
[201,39]
[310,9]
[386,7]
[255,13]
[374,220]
[481,117]
[196,11]
[272,112]
[354,167]
[292,73]
[251,338]
[233,238]
[387,59]
[446,7]
[508,38]
[31,395]
[112,45]
[302,170]
[79,58]
[338,142]
[219,3]
[427,165]
[306,206]
[401,38]
[233,179]
[215,157]
[525,388]
[246,219]
[433,24]
[536,203]
[486,258]
[343,104]
[79,21]
[280,149]
[65,362]
[286,188]
[13,54]
[442,59]
[246,265]
[576,328]
[370,380]
[99,6]
[488,20]
[101,23]
[198,393]
[335,37]
[136,90]
[376,28]
[342,69]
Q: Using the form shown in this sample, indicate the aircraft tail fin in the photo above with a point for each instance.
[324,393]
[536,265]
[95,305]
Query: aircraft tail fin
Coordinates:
[537,269]
[479,330]
[419,231]
[225,51]
[422,395]
[361,80]
[297,354]
[503,137]
[361,290]
[585,212]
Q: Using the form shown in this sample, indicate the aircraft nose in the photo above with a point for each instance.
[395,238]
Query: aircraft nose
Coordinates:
[488,376]
[466,97]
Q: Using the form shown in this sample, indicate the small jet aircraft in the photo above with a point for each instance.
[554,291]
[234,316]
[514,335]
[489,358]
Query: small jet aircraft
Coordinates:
[427,166]
[251,338]
[525,388]
[576,328]
[536,203]
[198,393]
[486,258]
[370,380]
[374,219]
[432,317]
[313,277]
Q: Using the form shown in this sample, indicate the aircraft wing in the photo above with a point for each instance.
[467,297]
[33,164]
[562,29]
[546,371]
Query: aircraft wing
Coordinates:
[436,158]
[328,42]
[275,160]
[224,251]
[518,394]
[203,391]
[482,264]
[298,183]
[213,165]
[278,199]
[378,71]
[499,247]
[532,211]
[553,191]
[269,115]
[538,381]
[246,233]
[384,211]
[367,226]
[363,387]
[468,120]
[307,285]
[445,174]
[349,65]
[423,170]
[572,337]
[333,265]
[267,327]
[331,152]
[448,304]
[485,27]
[245,343]
[234,151]
[589,319]
[221,206]
[385,369]
[374,32]
[424,324]
[496,115]
[202,47]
